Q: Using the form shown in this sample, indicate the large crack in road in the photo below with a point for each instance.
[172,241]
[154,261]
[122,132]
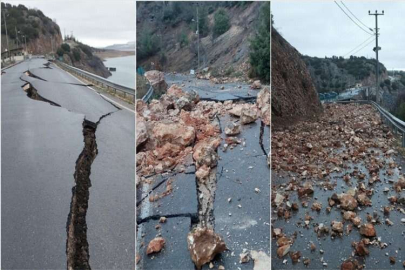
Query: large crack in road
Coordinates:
[77,246]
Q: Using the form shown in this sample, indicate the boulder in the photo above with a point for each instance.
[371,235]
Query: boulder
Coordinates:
[157,81]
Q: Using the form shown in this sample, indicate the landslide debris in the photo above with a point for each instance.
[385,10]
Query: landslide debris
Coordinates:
[178,131]
[294,96]
[344,164]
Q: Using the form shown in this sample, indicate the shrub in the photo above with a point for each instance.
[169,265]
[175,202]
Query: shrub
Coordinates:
[59,52]
[76,54]
[260,46]
[221,22]
[148,45]
[183,39]
[65,47]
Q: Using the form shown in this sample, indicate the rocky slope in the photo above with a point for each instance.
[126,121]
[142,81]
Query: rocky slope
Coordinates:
[167,37]
[81,56]
[294,96]
[41,34]
[337,73]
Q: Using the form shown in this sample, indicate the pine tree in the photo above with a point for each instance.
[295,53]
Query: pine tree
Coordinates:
[260,46]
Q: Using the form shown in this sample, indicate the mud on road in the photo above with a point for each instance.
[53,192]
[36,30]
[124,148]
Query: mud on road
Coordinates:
[337,193]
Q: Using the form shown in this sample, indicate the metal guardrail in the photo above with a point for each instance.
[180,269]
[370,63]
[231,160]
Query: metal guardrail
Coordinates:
[97,80]
[395,123]
[148,94]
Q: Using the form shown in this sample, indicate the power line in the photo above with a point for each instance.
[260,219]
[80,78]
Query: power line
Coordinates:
[364,46]
[355,16]
[355,48]
[352,19]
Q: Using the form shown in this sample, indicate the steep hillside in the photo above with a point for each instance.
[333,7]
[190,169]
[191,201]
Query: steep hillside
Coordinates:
[294,96]
[81,56]
[40,33]
[167,39]
[338,73]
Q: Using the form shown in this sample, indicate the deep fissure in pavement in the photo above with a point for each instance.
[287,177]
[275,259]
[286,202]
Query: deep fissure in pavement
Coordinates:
[77,246]
[261,137]
[33,94]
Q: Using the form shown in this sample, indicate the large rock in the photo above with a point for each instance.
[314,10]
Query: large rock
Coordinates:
[232,129]
[249,115]
[175,133]
[155,245]
[348,202]
[204,244]
[141,131]
[263,103]
[157,81]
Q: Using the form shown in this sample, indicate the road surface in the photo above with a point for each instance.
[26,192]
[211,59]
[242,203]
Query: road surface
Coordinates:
[41,143]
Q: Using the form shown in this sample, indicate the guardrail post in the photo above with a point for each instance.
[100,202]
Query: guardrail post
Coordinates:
[403,139]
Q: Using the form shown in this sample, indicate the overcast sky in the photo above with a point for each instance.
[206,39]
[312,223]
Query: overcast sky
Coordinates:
[321,29]
[96,23]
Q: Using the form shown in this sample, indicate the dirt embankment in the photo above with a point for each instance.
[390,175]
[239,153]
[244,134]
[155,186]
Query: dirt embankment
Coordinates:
[226,54]
[294,96]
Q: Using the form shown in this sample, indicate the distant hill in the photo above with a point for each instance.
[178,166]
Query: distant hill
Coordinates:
[130,46]
[338,73]
[30,26]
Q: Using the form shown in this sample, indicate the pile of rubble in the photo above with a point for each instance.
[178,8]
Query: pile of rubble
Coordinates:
[178,131]
[348,149]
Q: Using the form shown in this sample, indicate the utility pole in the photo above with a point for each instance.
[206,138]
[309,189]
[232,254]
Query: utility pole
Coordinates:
[8,47]
[376,49]
[198,42]
[16,35]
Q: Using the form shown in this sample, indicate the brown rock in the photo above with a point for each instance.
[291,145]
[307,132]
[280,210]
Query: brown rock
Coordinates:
[157,81]
[348,202]
[256,85]
[337,226]
[361,249]
[295,256]
[204,244]
[263,103]
[232,129]
[249,115]
[283,250]
[174,133]
[368,230]
[350,264]
[155,245]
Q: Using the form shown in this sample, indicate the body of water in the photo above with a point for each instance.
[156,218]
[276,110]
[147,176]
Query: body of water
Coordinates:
[125,74]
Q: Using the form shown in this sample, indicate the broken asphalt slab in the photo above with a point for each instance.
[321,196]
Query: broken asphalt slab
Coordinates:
[241,206]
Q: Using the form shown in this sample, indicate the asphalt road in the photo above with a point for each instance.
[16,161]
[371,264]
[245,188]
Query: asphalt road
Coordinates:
[40,146]
[208,90]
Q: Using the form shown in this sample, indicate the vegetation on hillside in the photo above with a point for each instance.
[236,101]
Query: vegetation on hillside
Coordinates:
[173,13]
[260,47]
[29,23]
[338,73]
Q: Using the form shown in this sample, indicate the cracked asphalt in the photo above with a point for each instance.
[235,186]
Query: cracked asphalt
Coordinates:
[208,90]
[242,174]
[40,146]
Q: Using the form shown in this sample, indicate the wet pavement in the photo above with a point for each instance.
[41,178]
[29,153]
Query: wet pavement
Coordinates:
[40,146]
[330,251]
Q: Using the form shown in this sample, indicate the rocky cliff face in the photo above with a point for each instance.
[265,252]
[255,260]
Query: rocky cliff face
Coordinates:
[81,56]
[294,96]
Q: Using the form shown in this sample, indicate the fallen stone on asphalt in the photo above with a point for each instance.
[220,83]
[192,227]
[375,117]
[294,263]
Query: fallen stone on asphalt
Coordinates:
[155,245]
[232,129]
[283,250]
[347,202]
[256,85]
[351,264]
[157,80]
[204,244]
[368,230]
[249,115]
